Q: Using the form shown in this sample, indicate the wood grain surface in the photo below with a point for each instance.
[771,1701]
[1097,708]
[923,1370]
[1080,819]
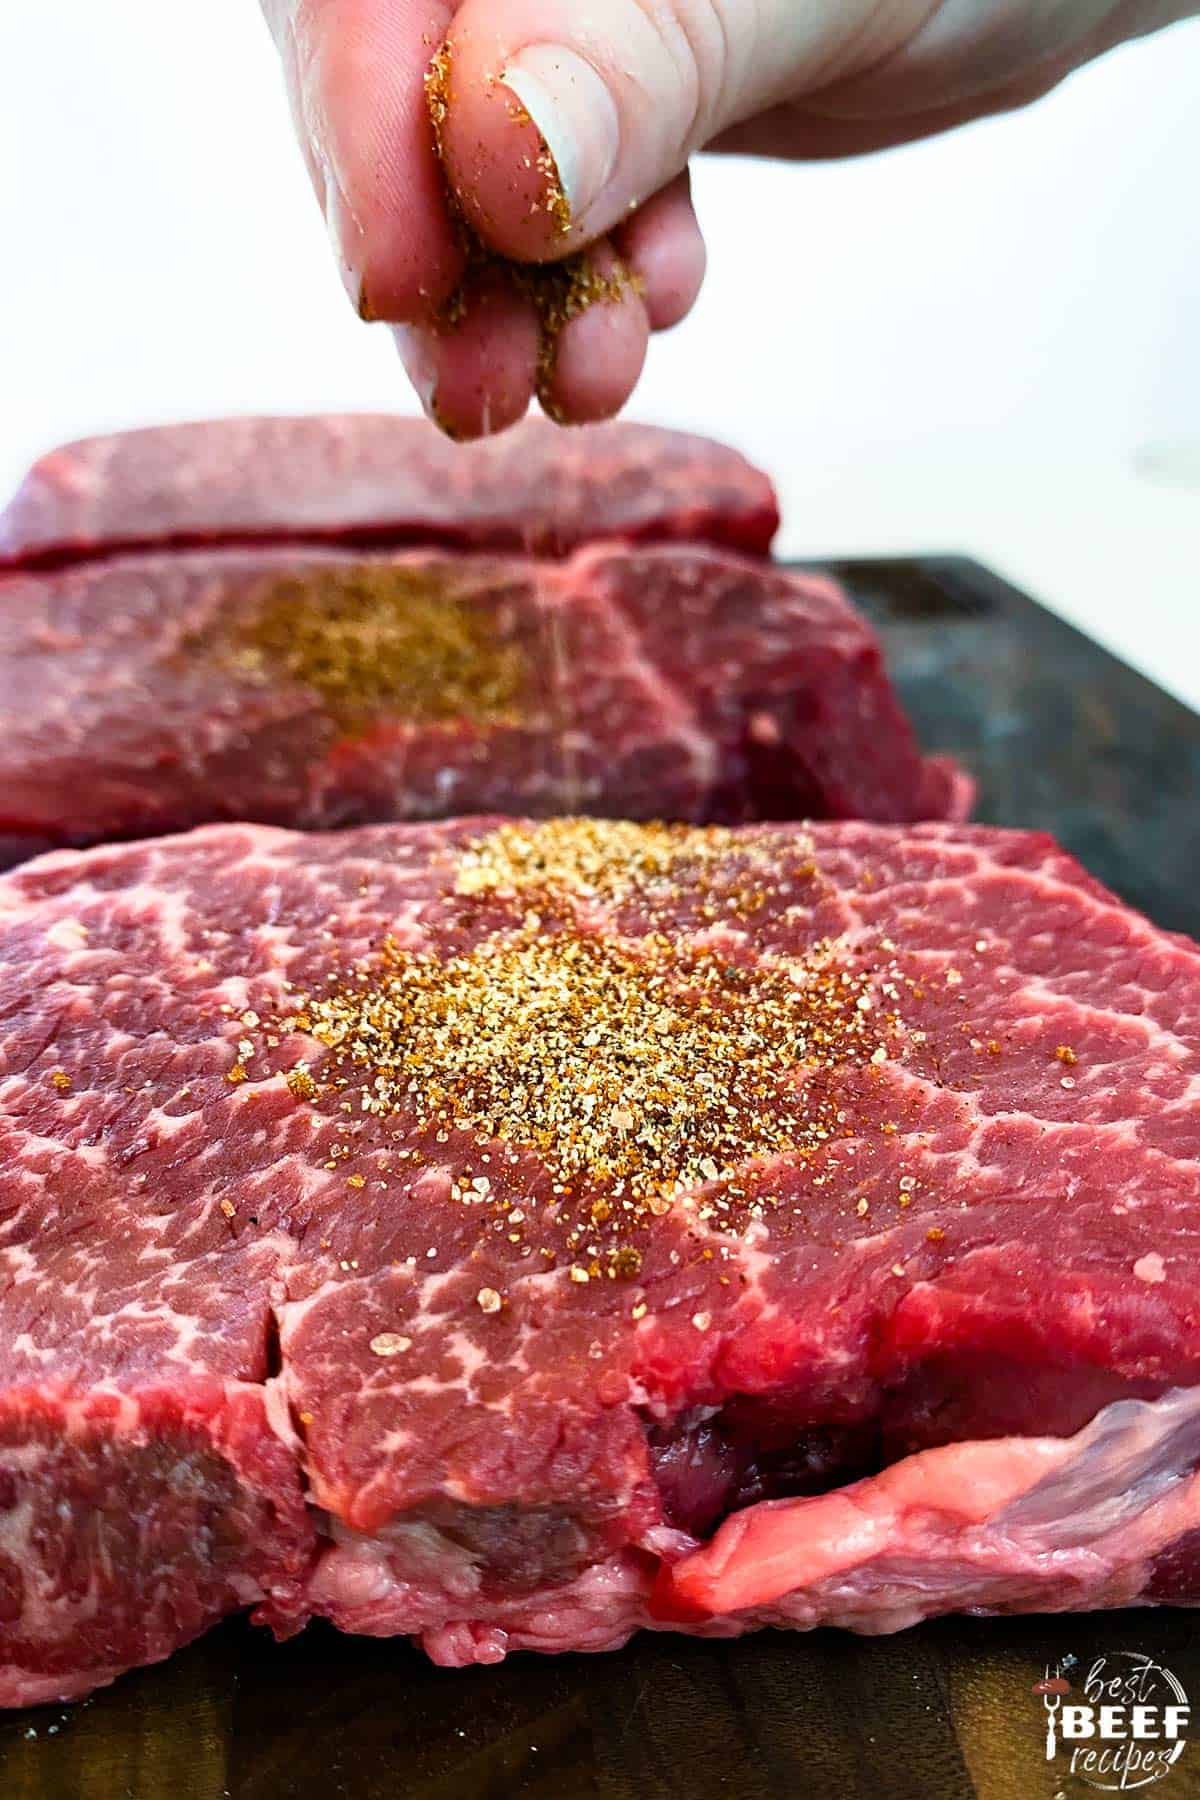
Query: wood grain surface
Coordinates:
[1062,737]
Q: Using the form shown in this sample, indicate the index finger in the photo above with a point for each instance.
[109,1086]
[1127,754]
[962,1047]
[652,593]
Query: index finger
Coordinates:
[355,74]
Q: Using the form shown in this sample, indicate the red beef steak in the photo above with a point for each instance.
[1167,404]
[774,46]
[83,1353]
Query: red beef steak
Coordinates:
[374,479]
[297,687]
[518,1235]
[221,621]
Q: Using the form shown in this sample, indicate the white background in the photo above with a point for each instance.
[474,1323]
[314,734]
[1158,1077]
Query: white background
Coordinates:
[990,342]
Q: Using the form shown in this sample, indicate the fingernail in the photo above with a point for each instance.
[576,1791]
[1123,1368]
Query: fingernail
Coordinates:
[419,357]
[576,117]
[346,239]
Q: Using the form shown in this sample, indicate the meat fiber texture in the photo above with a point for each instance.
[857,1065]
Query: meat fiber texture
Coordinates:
[146,687]
[366,478]
[365,1256]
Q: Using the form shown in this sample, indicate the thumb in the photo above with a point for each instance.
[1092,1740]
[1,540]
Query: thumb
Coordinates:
[560,116]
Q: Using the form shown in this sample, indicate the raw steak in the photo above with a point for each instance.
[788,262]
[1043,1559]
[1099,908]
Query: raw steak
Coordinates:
[517,1236]
[303,687]
[374,479]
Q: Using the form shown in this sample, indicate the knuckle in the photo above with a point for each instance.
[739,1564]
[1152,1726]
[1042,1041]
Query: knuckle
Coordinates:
[697,39]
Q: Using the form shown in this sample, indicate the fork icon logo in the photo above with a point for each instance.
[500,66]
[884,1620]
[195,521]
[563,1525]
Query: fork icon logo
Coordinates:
[1053,1687]
[1122,1727]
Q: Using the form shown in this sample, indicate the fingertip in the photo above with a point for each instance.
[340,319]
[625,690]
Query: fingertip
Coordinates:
[391,273]
[597,360]
[355,75]
[664,247]
[494,159]
[476,376]
[522,171]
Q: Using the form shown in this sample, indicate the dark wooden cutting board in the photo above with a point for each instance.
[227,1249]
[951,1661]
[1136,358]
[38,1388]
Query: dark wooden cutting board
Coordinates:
[1060,736]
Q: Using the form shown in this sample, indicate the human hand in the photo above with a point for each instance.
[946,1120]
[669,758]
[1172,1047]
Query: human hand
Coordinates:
[565,128]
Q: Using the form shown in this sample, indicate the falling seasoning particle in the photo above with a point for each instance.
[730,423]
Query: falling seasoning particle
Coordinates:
[879,1055]
[702,1320]
[356,1181]
[389,1343]
[1068,1081]
[236,1074]
[306,1418]
[228,1208]
[639,1311]
[488,1300]
[61,1080]
[862,1209]
[577,1273]
[935,1234]
[1065,1054]
[897,1268]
